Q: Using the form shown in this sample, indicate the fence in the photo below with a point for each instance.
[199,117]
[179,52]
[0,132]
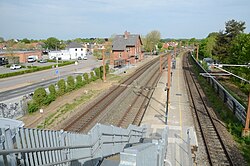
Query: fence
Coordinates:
[238,110]
[23,146]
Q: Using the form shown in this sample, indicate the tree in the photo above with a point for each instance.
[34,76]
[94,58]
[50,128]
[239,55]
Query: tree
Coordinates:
[79,82]
[1,39]
[97,72]
[97,53]
[39,96]
[92,76]
[86,77]
[25,40]
[207,45]
[240,54]
[70,83]
[52,90]
[61,87]
[233,28]
[52,43]
[151,40]
[224,39]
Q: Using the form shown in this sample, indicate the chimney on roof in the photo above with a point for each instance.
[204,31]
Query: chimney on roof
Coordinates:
[126,34]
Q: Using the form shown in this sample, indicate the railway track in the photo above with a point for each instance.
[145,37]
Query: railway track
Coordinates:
[217,153]
[84,121]
[134,115]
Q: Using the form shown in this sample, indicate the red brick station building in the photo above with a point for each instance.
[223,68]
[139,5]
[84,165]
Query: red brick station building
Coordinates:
[126,49]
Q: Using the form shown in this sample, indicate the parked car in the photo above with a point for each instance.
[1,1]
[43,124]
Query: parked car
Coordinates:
[31,59]
[43,61]
[15,66]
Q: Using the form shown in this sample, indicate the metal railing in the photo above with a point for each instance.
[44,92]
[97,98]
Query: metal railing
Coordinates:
[23,146]
[232,103]
[147,154]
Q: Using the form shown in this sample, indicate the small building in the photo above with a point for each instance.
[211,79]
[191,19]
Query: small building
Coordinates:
[74,51]
[23,55]
[126,49]
[60,55]
[3,60]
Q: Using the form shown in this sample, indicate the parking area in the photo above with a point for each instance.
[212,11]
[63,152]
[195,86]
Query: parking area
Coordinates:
[4,70]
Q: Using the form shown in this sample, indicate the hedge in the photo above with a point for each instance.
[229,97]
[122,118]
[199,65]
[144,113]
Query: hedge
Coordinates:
[39,96]
[61,87]
[32,69]
[70,83]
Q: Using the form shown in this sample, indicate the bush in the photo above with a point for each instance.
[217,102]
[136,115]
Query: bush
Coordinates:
[39,96]
[49,99]
[107,68]
[61,87]
[101,72]
[32,69]
[86,77]
[79,82]
[93,77]
[97,72]
[32,107]
[70,83]
[52,90]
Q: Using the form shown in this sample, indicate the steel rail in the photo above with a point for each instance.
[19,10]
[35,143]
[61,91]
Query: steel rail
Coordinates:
[209,116]
[105,101]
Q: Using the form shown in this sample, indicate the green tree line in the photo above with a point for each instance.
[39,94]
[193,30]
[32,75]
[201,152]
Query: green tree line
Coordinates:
[42,98]
[230,46]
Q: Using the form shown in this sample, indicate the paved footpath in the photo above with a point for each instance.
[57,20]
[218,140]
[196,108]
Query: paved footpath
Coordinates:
[179,118]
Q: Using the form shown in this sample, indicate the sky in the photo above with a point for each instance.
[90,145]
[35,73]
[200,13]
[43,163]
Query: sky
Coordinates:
[70,19]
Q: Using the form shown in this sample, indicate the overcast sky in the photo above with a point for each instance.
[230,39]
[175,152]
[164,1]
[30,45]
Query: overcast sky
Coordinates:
[69,19]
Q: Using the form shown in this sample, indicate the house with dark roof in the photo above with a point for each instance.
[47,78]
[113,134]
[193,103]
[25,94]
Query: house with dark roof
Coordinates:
[126,49]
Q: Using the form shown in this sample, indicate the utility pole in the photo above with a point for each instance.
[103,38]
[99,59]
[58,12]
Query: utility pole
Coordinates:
[246,129]
[197,53]
[160,63]
[103,64]
[168,87]
[174,51]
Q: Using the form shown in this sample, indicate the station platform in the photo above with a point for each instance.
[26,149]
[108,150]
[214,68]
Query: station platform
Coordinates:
[181,132]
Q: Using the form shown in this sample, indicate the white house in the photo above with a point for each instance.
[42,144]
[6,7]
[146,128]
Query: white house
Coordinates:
[74,51]
[61,55]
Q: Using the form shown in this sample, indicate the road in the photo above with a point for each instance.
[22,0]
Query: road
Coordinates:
[21,85]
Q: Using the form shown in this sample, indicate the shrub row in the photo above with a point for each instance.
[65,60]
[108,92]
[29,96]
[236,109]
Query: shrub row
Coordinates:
[32,69]
[41,98]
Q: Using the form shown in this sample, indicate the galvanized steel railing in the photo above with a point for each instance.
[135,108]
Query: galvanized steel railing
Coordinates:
[232,103]
[23,146]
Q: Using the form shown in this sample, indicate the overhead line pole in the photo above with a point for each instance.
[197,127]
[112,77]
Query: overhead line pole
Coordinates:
[168,87]
[103,64]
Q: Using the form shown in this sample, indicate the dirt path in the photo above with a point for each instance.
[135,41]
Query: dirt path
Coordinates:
[95,88]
